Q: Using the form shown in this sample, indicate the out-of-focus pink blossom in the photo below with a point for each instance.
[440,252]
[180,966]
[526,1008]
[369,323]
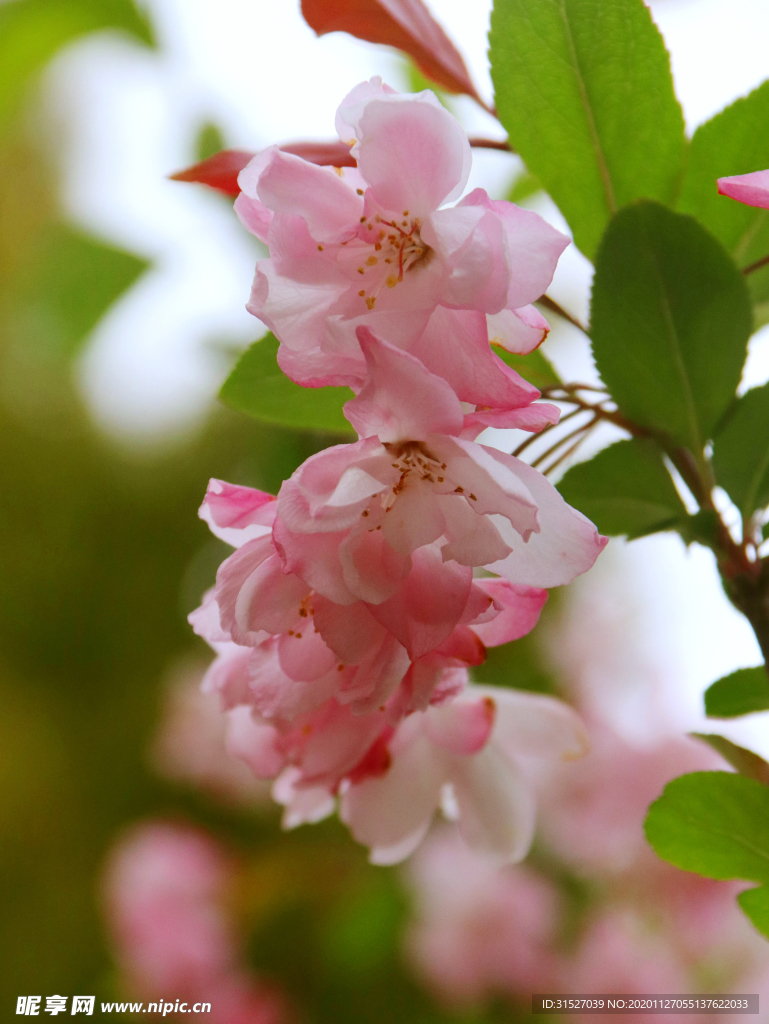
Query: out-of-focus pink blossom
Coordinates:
[376,245]
[190,744]
[165,887]
[478,929]
[596,810]
[751,189]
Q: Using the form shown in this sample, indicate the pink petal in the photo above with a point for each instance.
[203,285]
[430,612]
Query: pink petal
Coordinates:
[314,557]
[236,514]
[461,727]
[496,806]
[487,486]
[351,108]
[519,611]
[290,185]
[472,243]
[254,216]
[276,696]
[228,677]
[304,656]
[567,543]
[413,153]
[269,599]
[751,189]
[428,604]
[532,725]
[454,345]
[462,645]
[400,400]
[330,490]
[304,804]
[333,740]
[386,812]
[414,520]
[205,620]
[230,578]
[533,247]
[372,569]
[350,631]
[534,417]
[518,330]
[254,743]
[472,539]
[376,677]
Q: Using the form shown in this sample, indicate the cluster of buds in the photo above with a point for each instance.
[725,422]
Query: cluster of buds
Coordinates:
[355,602]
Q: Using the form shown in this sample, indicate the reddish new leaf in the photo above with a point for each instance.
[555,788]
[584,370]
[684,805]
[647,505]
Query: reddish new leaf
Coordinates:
[405,24]
[221,170]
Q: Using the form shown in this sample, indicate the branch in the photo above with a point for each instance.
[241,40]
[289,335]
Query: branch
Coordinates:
[756,266]
[555,307]
[478,143]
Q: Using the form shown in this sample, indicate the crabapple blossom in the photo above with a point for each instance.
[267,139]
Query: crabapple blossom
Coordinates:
[376,245]
[471,751]
[164,890]
[751,189]
[354,519]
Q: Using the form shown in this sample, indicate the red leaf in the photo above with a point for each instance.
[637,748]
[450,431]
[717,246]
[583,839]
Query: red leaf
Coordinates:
[221,170]
[405,24]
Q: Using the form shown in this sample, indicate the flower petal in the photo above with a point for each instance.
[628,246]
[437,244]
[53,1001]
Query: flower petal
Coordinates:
[518,330]
[496,805]
[401,399]
[461,727]
[566,545]
[413,153]
[533,247]
[429,603]
[237,514]
[533,725]
[519,611]
[254,743]
[751,189]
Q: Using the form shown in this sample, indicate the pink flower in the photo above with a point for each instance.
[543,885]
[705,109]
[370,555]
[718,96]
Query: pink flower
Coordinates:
[165,889]
[751,189]
[376,245]
[472,754]
[355,521]
[481,930]
[285,648]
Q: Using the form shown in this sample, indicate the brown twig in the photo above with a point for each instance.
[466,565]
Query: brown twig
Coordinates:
[555,307]
[480,143]
[757,265]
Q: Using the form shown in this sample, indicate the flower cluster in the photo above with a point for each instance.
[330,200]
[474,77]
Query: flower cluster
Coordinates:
[355,602]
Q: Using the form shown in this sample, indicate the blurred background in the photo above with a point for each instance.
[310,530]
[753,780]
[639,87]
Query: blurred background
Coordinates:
[136,860]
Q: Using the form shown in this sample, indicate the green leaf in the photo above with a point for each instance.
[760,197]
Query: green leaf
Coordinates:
[741,452]
[714,823]
[584,89]
[740,693]
[755,905]
[671,320]
[71,282]
[625,489]
[733,142]
[208,141]
[31,31]
[259,387]
[536,368]
[746,762]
